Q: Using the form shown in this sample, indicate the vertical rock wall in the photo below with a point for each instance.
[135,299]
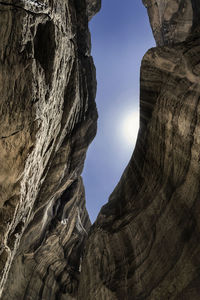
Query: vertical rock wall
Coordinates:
[47,120]
[145,243]
[172,21]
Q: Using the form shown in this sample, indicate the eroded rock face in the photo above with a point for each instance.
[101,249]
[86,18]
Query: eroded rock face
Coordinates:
[172,21]
[93,6]
[47,120]
[145,243]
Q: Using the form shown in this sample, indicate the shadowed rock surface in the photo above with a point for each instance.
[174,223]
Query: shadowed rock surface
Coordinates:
[145,243]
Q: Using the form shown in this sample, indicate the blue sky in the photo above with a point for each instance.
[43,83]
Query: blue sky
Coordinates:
[121,35]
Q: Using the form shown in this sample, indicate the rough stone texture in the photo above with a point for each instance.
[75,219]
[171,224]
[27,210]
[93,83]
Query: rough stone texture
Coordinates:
[93,6]
[172,20]
[47,119]
[145,243]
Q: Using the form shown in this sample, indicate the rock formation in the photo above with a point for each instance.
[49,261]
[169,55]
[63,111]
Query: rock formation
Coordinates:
[47,120]
[145,243]
[172,21]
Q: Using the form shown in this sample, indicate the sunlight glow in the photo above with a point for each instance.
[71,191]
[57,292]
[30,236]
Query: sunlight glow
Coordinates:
[130,127]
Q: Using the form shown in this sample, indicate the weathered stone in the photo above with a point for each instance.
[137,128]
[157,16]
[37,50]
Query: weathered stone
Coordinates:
[93,6]
[172,21]
[47,119]
[145,243]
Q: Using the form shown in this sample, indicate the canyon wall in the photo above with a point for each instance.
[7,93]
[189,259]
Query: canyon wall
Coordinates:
[145,243]
[47,120]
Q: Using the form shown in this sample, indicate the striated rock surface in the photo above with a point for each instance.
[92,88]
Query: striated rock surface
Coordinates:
[47,120]
[145,243]
[172,20]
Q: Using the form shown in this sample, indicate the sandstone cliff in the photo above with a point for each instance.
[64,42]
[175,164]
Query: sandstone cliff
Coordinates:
[47,119]
[145,243]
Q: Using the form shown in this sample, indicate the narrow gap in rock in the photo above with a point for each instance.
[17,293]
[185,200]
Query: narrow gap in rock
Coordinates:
[120,37]
[44,48]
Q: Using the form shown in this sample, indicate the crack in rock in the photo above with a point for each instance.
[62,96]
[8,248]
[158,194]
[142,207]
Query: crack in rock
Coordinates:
[14,133]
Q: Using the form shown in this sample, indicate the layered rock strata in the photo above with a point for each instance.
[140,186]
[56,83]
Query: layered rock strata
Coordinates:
[47,120]
[172,21]
[145,243]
